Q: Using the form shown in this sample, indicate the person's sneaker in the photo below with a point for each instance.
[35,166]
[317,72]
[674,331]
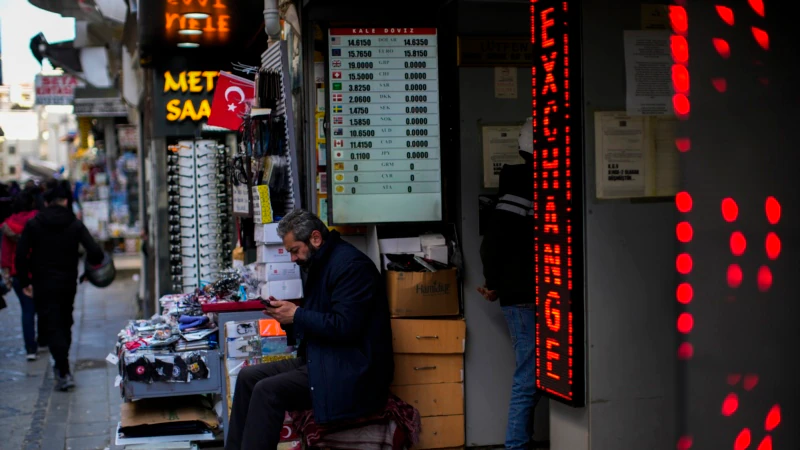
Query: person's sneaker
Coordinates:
[31,356]
[65,383]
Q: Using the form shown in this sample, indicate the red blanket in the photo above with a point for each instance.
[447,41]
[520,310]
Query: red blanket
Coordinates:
[405,434]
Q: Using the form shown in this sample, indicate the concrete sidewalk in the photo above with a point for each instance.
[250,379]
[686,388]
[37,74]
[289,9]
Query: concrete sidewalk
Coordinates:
[33,415]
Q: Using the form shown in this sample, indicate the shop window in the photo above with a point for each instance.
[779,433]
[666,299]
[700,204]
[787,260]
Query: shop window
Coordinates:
[12,170]
[12,149]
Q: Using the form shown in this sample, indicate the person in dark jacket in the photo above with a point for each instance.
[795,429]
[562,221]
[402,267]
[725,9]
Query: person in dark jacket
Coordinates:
[509,277]
[47,270]
[345,361]
[11,230]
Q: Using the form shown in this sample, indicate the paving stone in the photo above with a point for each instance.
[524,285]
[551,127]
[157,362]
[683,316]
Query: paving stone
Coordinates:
[88,442]
[75,430]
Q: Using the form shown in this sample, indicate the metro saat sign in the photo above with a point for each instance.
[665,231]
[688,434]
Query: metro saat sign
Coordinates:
[55,89]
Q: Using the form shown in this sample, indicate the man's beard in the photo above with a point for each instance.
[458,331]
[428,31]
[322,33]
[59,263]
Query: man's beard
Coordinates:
[306,264]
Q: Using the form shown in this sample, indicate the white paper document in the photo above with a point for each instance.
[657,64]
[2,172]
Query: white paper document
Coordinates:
[621,153]
[648,73]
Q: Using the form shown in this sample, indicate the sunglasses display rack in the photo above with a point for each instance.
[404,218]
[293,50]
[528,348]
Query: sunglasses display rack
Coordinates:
[199,221]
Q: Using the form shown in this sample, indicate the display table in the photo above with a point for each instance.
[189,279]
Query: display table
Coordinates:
[133,390]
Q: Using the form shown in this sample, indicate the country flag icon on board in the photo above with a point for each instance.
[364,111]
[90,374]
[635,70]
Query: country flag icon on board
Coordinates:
[336,63]
[338,166]
[338,143]
[337,75]
[336,52]
[338,97]
[338,132]
[339,177]
[338,120]
[336,40]
[338,155]
[337,108]
[339,189]
[337,86]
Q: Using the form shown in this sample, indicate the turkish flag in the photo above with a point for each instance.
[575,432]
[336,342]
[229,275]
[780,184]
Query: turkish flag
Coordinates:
[233,97]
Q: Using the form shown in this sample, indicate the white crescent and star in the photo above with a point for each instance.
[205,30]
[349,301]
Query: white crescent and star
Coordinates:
[238,90]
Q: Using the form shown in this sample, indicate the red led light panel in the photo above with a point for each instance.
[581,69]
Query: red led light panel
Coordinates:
[557,188]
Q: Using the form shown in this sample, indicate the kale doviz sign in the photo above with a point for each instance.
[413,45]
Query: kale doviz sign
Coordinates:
[55,89]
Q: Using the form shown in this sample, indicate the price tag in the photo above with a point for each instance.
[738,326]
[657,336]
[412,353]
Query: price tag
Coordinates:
[262,207]
[112,359]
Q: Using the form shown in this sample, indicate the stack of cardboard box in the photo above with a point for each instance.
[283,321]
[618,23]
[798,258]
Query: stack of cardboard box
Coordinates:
[429,339]
[429,375]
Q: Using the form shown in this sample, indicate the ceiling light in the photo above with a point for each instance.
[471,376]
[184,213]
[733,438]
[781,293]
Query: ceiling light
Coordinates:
[190,32]
[198,16]
[188,45]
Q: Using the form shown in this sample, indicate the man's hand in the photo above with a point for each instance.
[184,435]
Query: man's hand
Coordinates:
[487,294]
[28,291]
[280,310]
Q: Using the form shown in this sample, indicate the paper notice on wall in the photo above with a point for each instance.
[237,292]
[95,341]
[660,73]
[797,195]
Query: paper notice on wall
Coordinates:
[500,147]
[505,82]
[621,154]
[648,64]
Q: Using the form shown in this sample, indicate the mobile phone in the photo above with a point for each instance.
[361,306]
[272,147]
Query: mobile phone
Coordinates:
[267,303]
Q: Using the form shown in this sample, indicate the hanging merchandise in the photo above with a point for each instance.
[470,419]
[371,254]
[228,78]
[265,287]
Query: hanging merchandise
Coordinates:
[199,213]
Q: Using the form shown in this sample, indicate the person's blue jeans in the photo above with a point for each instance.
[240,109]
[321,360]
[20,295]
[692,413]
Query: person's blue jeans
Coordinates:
[521,320]
[28,318]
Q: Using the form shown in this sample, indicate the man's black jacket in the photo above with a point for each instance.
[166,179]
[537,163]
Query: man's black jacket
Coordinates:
[345,333]
[507,247]
[48,248]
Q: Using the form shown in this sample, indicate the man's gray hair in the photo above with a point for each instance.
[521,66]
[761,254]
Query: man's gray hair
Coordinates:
[301,224]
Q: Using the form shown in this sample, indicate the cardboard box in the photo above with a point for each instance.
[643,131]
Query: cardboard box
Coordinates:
[166,410]
[437,253]
[400,245]
[272,253]
[277,271]
[422,294]
[429,240]
[429,336]
[283,290]
[266,233]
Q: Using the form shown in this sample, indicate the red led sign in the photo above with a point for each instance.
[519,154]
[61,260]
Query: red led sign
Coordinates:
[557,204]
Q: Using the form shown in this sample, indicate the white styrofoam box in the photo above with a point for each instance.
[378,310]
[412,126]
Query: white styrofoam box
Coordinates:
[267,233]
[246,328]
[283,289]
[429,240]
[437,253]
[273,253]
[277,271]
[400,245]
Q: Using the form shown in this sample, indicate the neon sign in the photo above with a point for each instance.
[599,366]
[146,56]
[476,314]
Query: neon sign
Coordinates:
[557,203]
[194,81]
[202,21]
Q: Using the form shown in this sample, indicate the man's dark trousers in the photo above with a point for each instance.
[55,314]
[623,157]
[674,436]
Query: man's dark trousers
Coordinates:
[55,304]
[263,395]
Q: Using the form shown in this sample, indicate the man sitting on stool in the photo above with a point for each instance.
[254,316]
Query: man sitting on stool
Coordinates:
[345,361]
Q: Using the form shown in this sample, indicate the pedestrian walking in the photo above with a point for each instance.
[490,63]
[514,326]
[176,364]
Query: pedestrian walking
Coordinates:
[47,269]
[11,228]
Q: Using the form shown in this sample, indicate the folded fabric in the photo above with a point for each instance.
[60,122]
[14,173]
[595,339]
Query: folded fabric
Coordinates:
[187,322]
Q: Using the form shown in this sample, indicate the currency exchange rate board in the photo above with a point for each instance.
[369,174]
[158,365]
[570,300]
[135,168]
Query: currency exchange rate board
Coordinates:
[384,125]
